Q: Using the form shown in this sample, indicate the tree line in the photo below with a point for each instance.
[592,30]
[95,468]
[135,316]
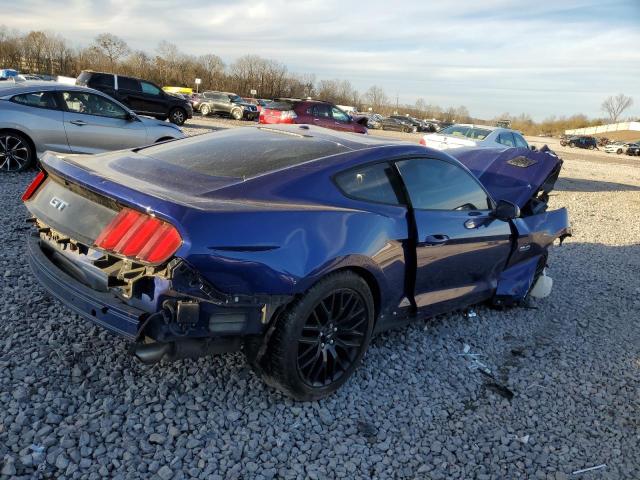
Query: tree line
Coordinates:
[46,53]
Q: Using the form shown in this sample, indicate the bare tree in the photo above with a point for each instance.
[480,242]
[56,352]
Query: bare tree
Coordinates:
[377,98]
[614,106]
[112,47]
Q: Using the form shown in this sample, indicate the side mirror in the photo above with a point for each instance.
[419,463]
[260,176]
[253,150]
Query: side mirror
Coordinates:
[533,147]
[506,210]
[131,117]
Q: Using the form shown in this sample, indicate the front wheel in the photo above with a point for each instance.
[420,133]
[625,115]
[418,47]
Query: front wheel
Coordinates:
[236,114]
[619,152]
[320,339]
[178,116]
[205,110]
[16,153]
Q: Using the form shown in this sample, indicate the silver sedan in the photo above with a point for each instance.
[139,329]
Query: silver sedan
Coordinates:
[40,116]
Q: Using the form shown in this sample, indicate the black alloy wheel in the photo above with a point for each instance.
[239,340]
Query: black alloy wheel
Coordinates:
[16,153]
[318,341]
[332,337]
[178,116]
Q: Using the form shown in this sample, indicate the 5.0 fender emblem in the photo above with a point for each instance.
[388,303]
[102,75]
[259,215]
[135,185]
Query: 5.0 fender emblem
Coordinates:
[58,203]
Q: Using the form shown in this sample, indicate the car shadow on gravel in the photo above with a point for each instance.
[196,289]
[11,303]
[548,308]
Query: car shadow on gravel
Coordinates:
[585,185]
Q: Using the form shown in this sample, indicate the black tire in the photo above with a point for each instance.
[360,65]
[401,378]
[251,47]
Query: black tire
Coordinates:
[16,152]
[619,151]
[236,114]
[205,110]
[178,116]
[319,340]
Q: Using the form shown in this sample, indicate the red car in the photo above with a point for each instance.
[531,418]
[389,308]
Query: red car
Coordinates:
[311,112]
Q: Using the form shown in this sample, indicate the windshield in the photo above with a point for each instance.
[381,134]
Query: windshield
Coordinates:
[236,99]
[466,131]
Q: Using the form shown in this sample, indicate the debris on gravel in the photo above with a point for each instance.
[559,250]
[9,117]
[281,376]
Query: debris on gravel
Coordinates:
[74,404]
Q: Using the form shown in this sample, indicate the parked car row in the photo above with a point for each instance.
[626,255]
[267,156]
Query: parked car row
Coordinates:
[622,147]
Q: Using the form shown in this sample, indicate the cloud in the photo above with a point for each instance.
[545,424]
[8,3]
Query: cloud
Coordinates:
[550,58]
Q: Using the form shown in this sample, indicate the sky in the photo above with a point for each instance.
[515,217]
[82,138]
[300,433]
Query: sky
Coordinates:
[544,58]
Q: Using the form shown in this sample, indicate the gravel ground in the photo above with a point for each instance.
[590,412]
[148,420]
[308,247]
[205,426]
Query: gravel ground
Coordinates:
[73,404]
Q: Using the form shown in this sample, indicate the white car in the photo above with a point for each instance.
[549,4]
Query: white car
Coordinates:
[617,147]
[466,135]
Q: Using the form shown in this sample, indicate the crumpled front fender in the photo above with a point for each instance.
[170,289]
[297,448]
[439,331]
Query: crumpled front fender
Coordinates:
[534,236]
[536,232]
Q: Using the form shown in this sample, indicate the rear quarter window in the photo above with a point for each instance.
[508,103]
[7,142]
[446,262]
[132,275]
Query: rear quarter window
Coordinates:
[101,80]
[371,183]
[131,84]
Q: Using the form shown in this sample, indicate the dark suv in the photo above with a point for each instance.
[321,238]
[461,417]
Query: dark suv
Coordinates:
[225,103]
[141,96]
[581,142]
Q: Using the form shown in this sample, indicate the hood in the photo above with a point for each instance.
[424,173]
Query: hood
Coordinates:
[152,122]
[513,174]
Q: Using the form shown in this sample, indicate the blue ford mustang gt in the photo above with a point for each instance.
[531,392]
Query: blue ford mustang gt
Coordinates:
[294,243]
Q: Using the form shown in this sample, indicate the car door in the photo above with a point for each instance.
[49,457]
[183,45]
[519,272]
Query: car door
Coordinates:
[130,93]
[460,248]
[321,115]
[341,121]
[506,139]
[95,123]
[154,99]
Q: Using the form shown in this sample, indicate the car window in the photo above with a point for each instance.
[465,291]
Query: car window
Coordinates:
[505,138]
[149,88]
[439,185]
[101,80]
[91,104]
[38,99]
[370,182]
[520,141]
[131,84]
[338,115]
[455,131]
[320,111]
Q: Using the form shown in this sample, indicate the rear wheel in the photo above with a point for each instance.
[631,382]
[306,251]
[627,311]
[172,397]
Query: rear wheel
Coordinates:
[205,110]
[16,153]
[320,339]
[619,151]
[178,116]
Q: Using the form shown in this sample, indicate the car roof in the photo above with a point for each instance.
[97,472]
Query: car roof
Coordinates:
[10,89]
[253,151]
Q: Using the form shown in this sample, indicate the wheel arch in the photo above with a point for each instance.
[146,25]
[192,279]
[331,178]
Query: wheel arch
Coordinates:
[26,136]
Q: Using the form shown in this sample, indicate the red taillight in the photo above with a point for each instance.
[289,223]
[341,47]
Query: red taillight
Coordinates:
[33,186]
[135,234]
[423,142]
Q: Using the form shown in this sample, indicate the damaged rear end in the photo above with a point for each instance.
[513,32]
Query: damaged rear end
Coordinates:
[117,259]
[524,178]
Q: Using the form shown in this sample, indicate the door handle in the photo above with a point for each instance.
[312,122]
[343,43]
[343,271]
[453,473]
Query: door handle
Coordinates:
[437,239]
[78,122]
